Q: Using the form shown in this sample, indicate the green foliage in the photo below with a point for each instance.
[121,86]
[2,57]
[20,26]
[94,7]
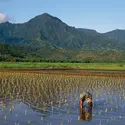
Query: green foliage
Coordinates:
[47,39]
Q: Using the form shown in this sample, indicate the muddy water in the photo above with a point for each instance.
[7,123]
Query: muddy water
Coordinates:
[108,106]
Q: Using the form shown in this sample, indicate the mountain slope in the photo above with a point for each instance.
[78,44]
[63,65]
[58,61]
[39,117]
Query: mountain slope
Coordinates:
[118,35]
[47,37]
[51,29]
[42,28]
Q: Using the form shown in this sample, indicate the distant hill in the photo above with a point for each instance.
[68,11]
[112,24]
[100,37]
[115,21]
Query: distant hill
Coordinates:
[46,37]
[118,35]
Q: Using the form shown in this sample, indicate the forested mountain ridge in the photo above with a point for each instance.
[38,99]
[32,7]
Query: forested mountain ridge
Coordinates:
[46,37]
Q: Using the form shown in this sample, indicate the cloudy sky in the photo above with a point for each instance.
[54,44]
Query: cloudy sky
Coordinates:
[101,15]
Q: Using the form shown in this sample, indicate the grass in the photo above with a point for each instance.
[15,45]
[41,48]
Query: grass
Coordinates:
[25,65]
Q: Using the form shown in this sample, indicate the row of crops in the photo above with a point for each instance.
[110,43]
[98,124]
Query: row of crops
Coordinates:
[60,93]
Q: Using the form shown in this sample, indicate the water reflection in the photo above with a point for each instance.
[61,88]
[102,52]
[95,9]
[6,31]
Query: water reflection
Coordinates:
[85,114]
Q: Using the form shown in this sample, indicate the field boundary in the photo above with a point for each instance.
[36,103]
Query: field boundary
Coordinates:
[84,69]
[66,73]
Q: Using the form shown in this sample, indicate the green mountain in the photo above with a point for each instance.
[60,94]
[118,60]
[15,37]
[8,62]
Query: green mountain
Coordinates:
[117,35]
[42,28]
[47,38]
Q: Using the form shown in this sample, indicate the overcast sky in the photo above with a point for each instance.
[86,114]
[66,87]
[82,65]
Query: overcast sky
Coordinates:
[101,15]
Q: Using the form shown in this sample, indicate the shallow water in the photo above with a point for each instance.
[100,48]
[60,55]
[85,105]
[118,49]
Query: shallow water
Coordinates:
[104,112]
[108,107]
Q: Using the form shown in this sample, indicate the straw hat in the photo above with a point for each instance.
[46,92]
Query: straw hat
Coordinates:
[86,95]
[82,95]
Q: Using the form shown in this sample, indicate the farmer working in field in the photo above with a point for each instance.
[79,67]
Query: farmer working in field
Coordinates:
[85,106]
[86,100]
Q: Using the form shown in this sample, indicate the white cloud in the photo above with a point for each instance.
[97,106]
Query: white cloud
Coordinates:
[4,18]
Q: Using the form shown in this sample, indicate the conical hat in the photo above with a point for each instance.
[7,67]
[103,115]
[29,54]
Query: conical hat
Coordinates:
[86,95]
[82,95]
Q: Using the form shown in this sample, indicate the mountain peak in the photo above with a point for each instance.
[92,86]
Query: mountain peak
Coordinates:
[45,16]
[115,31]
[50,16]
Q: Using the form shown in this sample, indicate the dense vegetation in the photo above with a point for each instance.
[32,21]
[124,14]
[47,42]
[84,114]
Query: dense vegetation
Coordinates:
[47,39]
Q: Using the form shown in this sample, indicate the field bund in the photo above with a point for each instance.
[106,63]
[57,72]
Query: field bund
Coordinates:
[64,71]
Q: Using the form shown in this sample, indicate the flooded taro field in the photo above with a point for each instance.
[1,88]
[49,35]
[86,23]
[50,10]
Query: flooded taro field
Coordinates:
[53,99]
